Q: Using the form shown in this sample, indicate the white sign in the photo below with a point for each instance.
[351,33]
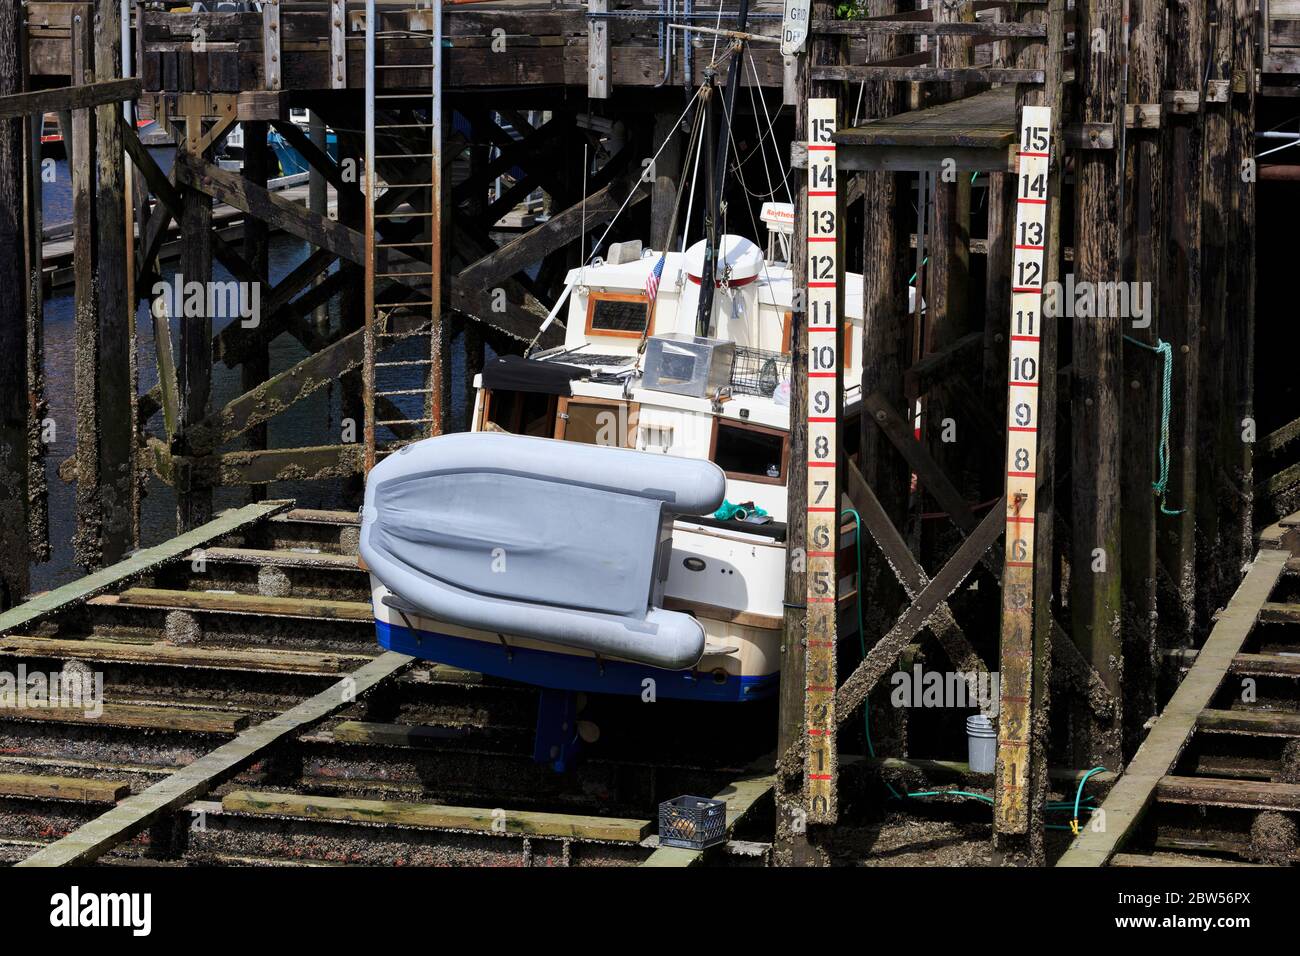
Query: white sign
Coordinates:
[794,27]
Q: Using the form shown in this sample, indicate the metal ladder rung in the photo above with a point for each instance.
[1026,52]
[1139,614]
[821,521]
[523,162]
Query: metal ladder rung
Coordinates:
[391,185]
[404,126]
[402,96]
[403,245]
[403,155]
[403,66]
[405,421]
[403,215]
[407,275]
[407,362]
[403,391]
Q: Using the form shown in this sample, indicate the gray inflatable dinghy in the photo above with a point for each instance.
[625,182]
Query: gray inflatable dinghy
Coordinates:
[530,537]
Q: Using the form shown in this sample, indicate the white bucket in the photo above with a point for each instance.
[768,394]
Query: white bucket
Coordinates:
[981,743]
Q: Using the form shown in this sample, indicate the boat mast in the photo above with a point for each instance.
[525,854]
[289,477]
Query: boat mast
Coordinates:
[718,181]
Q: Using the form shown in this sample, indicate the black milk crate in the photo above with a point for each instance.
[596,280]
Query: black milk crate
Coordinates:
[692,823]
[758,371]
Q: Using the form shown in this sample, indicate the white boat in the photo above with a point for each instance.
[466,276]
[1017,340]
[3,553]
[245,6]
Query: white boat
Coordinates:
[722,397]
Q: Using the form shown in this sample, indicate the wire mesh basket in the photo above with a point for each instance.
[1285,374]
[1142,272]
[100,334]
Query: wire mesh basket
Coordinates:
[692,823]
[758,371]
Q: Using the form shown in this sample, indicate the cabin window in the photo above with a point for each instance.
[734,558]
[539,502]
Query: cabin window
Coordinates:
[619,314]
[520,413]
[597,422]
[750,452]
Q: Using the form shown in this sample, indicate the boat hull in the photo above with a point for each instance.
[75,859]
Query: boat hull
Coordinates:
[572,672]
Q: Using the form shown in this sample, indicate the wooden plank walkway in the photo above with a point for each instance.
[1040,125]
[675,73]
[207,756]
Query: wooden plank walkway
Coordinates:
[94,839]
[984,121]
[1174,728]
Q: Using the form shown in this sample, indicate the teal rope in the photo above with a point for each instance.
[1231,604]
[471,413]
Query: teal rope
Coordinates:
[1161,485]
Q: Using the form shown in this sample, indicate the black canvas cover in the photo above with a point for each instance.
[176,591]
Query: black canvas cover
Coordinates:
[518,374]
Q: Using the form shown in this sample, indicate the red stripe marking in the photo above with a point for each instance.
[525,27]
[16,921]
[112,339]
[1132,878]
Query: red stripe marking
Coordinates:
[1024,384]
[818,687]
[822,374]
[826,192]
[1022,428]
[1024,338]
[822,238]
[823,419]
[821,643]
[1027,288]
[819,509]
[1034,202]
[1016,519]
[821,285]
[823,554]
[1018,564]
[821,328]
[821,147]
[1036,248]
[821,464]
[1020,474]
[1043,155]
[819,776]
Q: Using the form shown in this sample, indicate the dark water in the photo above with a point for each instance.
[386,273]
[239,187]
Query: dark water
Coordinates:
[315,420]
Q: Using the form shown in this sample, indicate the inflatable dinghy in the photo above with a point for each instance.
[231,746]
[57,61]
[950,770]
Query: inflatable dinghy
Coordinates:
[531,537]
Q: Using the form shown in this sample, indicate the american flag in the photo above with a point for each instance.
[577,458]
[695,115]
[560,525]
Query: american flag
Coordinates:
[652,281]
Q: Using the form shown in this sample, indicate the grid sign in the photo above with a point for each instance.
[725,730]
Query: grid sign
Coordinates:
[1016,659]
[825,383]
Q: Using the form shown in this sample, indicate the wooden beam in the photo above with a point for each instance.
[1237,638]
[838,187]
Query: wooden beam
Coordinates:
[882,657]
[263,402]
[196,720]
[309,608]
[1174,728]
[436,816]
[911,575]
[534,245]
[92,840]
[77,97]
[140,562]
[74,789]
[279,213]
[255,660]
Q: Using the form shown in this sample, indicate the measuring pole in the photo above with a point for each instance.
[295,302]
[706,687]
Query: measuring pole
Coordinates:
[1016,657]
[825,393]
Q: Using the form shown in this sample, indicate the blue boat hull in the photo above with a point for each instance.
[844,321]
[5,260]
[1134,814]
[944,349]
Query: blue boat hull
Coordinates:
[571,672]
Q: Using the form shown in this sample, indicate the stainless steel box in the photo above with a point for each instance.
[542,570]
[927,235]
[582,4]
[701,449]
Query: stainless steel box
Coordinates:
[688,365]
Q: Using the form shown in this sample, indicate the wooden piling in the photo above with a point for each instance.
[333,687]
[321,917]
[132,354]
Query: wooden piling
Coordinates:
[256,366]
[1027,847]
[114,385]
[14,548]
[194,368]
[88,542]
[1180,288]
[1141,229]
[1095,393]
